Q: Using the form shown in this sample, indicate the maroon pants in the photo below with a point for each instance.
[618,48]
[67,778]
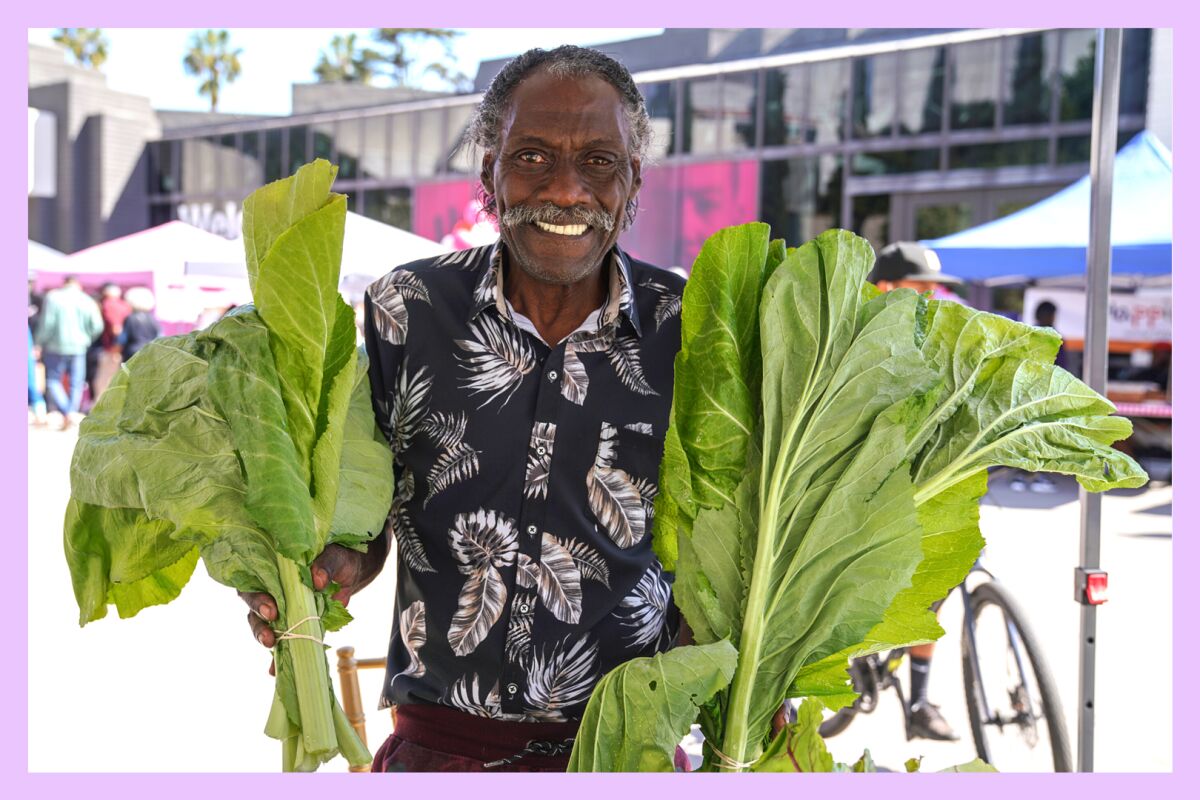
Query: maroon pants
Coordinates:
[431,738]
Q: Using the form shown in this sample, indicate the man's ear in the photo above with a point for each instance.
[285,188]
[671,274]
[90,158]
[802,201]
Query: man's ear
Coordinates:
[636,186]
[485,173]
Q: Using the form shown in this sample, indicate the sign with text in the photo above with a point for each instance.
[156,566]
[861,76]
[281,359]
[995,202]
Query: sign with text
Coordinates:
[1138,317]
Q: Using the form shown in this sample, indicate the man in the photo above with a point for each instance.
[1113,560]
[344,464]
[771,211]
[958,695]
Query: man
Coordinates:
[104,357]
[69,321]
[525,389]
[912,266]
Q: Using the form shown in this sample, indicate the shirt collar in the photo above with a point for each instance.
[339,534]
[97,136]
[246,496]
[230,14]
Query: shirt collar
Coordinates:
[489,289]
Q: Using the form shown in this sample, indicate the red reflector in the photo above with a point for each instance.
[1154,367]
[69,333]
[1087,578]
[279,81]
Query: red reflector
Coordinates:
[1097,588]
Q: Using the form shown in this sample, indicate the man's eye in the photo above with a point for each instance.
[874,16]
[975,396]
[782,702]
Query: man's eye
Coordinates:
[599,161]
[531,158]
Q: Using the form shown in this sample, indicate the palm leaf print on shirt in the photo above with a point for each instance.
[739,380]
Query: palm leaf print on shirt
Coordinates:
[591,565]
[644,610]
[483,542]
[469,698]
[453,466]
[574,377]
[410,406]
[445,429]
[412,551]
[520,626]
[669,304]
[537,465]
[612,496]
[412,635]
[389,312]
[558,581]
[625,355]
[561,676]
[499,359]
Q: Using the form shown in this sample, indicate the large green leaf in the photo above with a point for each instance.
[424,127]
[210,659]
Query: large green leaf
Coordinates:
[245,388]
[799,746]
[642,708]
[364,488]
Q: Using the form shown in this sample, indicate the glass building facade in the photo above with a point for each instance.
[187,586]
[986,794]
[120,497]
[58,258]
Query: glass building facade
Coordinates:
[911,139]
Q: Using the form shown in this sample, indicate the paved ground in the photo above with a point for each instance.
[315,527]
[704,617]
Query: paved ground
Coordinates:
[185,688]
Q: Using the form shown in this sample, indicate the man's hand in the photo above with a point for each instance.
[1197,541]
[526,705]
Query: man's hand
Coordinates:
[350,569]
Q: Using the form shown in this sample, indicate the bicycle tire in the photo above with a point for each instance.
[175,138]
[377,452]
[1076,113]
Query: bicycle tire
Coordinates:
[991,593]
[840,720]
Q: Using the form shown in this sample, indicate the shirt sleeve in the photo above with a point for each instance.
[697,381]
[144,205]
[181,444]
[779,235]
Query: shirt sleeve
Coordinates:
[384,361]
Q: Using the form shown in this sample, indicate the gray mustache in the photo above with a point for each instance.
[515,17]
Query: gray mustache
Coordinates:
[551,214]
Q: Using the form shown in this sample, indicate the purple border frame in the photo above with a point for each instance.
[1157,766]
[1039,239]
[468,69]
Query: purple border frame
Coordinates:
[476,13]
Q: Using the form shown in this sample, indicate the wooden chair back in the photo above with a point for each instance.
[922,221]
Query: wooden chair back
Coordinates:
[348,667]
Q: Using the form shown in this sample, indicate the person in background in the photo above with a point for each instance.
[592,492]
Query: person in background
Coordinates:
[37,403]
[909,265]
[36,299]
[70,320]
[140,327]
[105,354]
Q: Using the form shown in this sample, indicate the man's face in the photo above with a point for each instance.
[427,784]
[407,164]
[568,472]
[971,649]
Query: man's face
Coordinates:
[919,286]
[562,175]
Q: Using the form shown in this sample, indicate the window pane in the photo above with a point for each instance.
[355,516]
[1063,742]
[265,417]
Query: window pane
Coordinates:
[274,155]
[197,162]
[164,173]
[783,117]
[393,206]
[403,145]
[463,158]
[322,142]
[942,220]
[161,213]
[1077,68]
[228,163]
[739,115]
[1000,154]
[801,196]
[1027,82]
[375,148]
[1078,149]
[894,162]
[250,166]
[431,141]
[922,85]
[701,115]
[297,148]
[874,100]
[1135,70]
[825,119]
[974,80]
[871,215]
[347,138]
[660,105]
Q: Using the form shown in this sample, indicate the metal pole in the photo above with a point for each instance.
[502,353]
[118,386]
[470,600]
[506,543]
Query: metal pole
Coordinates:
[1095,350]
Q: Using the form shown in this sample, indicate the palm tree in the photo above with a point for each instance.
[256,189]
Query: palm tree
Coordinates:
[87,45]
[345,62]
[399,61]
[210,57]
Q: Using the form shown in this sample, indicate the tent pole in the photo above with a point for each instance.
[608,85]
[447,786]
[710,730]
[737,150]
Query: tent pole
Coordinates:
[1095,353]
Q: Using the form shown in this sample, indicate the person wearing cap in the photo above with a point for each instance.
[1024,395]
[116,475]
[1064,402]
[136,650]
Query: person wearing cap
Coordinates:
[908,265]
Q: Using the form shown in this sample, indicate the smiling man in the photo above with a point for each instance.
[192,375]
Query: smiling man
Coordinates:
[525,389]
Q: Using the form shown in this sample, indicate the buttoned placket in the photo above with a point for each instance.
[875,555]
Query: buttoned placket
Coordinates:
[532,518]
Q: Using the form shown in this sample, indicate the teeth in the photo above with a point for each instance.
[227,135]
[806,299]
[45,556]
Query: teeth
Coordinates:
[563,230]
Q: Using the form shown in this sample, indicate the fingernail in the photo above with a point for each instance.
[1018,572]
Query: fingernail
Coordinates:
[264,610]
[322,576]
[262,639]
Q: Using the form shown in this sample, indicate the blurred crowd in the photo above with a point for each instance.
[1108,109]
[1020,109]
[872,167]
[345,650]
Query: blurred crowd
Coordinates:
[77,344]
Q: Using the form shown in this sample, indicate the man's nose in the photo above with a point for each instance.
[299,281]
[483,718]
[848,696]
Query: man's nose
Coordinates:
[565,186]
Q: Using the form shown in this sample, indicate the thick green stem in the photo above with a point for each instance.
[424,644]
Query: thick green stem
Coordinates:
[308,660]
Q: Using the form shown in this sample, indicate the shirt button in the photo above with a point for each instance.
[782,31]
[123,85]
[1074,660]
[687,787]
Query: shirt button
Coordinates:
[512,688]
[552,375]
[531,530]
[524,608]
[541,451]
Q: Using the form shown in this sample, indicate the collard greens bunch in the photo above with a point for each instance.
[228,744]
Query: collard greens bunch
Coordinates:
[251,445]
[827,450]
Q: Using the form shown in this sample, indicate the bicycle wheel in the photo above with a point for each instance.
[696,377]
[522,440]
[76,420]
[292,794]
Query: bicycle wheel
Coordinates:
[1021,728]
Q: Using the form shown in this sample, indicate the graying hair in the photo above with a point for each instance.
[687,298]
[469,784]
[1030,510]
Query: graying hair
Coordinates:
[566,61]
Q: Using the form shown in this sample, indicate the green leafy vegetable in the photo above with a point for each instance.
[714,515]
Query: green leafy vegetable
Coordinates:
[828,446]
[250,445]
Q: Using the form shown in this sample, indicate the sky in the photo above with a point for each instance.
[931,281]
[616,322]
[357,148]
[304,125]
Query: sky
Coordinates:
[149,61]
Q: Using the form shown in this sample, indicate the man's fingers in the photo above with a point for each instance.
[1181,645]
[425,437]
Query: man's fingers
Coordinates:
[261,604]
[262,631]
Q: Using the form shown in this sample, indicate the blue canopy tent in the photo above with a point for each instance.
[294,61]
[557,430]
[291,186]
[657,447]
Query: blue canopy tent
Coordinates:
[1049,239]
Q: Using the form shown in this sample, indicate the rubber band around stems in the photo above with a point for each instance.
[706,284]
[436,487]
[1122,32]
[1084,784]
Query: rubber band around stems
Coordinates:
[289,634]
[726,760]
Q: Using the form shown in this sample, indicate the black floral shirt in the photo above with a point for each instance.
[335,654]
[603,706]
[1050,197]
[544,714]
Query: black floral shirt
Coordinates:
[525,484]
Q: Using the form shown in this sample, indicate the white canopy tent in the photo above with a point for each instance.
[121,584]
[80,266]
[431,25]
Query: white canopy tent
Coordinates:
[42,257]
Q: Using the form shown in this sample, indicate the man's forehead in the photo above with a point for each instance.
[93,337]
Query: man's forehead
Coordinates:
[543,106]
